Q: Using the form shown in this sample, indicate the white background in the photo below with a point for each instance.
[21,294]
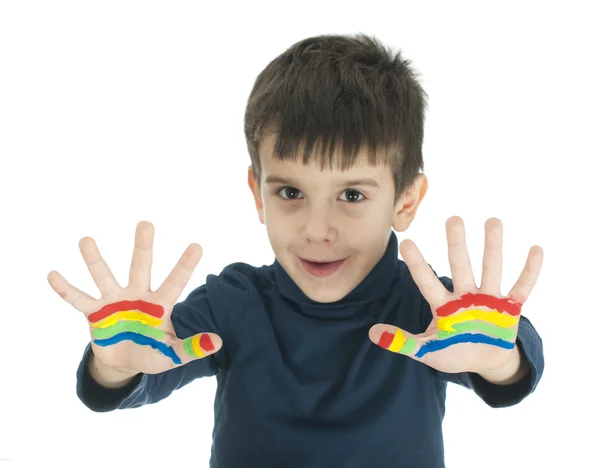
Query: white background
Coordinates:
[117,111]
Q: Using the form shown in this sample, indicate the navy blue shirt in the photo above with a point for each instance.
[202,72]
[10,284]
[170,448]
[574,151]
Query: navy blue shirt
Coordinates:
[299,382]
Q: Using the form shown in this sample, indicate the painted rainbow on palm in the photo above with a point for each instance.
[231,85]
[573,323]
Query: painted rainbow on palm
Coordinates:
[463,321]
[137,321]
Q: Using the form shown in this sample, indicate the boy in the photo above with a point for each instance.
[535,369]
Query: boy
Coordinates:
[301,348]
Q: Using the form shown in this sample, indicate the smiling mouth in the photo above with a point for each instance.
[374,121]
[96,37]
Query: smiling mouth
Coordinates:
[321,261]
[321,269]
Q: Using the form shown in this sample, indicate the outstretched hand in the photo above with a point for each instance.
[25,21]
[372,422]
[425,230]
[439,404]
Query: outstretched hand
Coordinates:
[474,329]
[130,328]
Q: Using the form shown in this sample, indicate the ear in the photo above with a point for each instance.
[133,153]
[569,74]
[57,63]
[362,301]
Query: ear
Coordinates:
[255,189]
[406,208]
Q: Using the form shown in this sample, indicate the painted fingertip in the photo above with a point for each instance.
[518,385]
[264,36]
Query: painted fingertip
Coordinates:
[202,345]
[380,335]
[394,340]
[211,342]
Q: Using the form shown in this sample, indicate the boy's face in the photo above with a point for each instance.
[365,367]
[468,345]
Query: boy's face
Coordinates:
[318,215]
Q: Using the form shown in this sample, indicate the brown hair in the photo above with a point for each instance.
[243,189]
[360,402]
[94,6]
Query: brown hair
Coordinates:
[347,90]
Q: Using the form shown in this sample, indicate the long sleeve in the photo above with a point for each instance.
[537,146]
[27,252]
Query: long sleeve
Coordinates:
[144,388]
[501,396]
[213,307]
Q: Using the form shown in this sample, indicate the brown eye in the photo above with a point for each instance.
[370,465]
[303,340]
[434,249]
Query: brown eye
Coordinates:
[290,192]
[354,196]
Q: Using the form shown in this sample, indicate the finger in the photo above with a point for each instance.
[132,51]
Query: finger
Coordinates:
[198,346]
[77,298]
[428,283]
[491,273]
[173,285]
[522,288]
[395,340]
[458,256]
[141,261]
[98,268]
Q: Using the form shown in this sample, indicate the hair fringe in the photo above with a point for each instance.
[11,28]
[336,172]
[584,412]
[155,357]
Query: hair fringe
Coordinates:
[335,96]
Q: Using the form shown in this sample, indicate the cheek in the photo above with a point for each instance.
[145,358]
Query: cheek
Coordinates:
[279,232]
[274,206]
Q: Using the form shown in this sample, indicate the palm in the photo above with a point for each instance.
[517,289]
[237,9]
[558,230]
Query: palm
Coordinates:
[131,328]
[128,355]
[472,329]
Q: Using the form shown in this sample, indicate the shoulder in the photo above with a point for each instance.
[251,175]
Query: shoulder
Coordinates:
[237,283]
[240,277]
[220,302]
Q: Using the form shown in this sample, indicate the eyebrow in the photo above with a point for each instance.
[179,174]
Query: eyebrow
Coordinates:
[273,179]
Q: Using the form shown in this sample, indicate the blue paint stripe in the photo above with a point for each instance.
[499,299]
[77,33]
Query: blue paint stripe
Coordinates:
[141,340]
[436,345]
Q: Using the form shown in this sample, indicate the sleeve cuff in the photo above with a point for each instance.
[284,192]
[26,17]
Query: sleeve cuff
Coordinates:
[95,396]
[502,396]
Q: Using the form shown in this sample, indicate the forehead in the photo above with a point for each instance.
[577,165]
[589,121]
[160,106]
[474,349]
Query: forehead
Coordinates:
[360,167]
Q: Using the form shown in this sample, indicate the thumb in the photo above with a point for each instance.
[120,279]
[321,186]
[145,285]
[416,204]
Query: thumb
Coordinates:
[394,339]
[198,346]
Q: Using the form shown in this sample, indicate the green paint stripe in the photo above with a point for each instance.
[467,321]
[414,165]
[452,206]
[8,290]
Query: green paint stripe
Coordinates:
[409,346]
[491,329]
[187,345]
[131,326]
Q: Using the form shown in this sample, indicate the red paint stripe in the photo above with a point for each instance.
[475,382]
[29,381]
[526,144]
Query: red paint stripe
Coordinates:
[206,343]
[143,306]
[386,340]
[506,304]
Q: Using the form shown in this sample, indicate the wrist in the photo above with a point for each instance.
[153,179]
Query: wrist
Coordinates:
[107,376]
[515,368]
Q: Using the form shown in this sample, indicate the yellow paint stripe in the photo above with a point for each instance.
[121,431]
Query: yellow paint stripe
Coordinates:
[397,342]
[127,315]
[493,316]
[196,346]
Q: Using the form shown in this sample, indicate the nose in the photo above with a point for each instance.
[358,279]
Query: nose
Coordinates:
[318,226]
